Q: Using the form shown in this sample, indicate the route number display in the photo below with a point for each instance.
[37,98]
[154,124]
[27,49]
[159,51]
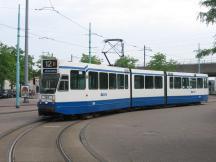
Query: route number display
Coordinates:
[49,66]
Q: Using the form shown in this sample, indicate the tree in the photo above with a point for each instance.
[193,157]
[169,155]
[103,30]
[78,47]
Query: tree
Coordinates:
[159,62]
[126,61]
[8,56]
[208,17]
[94,59]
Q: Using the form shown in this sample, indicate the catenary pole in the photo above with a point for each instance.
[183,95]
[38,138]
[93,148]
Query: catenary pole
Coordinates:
[90,43]
[199,58]
[26,46]
[18,62]
[144,49]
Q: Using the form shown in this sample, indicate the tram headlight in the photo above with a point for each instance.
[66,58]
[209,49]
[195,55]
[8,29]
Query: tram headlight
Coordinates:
[43,97]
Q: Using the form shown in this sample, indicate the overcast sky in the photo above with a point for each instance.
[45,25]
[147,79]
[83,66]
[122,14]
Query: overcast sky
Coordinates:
[167,26]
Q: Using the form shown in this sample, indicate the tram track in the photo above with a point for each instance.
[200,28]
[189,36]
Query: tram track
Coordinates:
[11,156]
[59,144]
[10,131]
[9,137]
[30,127]
[17,151]
[87,146]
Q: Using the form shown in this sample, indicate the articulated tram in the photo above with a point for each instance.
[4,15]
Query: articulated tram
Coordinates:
[69,88]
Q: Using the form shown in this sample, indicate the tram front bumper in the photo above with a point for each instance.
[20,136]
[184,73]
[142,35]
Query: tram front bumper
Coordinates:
[46,108]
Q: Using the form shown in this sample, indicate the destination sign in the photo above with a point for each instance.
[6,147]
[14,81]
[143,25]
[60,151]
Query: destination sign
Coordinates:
[49,71]
[49,64]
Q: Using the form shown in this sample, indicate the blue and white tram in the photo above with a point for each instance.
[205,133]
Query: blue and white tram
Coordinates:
[69,89]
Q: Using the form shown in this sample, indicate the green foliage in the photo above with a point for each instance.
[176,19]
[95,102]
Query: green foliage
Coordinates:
[159,62]
[94,59]
[208,17]
[126,61]
[8,64]
[206,52]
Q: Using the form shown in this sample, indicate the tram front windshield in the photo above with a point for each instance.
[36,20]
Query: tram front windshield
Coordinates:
[49,83]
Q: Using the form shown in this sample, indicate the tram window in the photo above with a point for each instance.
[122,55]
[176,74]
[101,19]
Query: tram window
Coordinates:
[185,83]
[120,81]
[138,82]
[63,86]
[103,81]
[77,79]
[126,81]
[199,82]
[205,83]
[193,83]
[158,82]
[93,80]
[112,81]
[149,82]
[177,82]
[171,82]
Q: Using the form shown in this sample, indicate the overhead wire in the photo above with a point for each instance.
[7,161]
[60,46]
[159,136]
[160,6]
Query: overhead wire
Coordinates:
[44,37]
[53,8]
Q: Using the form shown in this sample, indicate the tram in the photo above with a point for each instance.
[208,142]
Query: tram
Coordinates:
[69,88]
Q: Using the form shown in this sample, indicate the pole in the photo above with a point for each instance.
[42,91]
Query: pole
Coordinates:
[26,46]
[18,62]
[144,50]
[199,58]
[90,43]
[122,44]
[71,58]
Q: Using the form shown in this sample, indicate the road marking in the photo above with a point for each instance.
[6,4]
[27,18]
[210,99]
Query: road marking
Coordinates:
[151,133]
[52,126]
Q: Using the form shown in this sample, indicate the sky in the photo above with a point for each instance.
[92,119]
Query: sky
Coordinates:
[167,26]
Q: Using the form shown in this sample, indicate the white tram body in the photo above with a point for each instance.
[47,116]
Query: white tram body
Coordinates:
[192,87]
[76,88]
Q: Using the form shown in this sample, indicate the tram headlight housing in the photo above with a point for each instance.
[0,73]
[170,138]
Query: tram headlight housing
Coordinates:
[47,98]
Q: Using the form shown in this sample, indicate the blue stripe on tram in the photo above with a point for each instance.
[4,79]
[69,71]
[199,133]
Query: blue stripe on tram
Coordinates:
[114,104]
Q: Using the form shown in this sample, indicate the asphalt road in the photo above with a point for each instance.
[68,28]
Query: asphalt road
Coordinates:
[169,134]
[13,120]
[40,144]
[186,133]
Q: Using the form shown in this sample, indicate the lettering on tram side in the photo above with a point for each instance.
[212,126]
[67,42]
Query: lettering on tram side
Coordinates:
[103,94]
[193,91]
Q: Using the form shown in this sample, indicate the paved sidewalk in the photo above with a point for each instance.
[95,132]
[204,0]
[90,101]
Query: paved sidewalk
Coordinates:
[9,105]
